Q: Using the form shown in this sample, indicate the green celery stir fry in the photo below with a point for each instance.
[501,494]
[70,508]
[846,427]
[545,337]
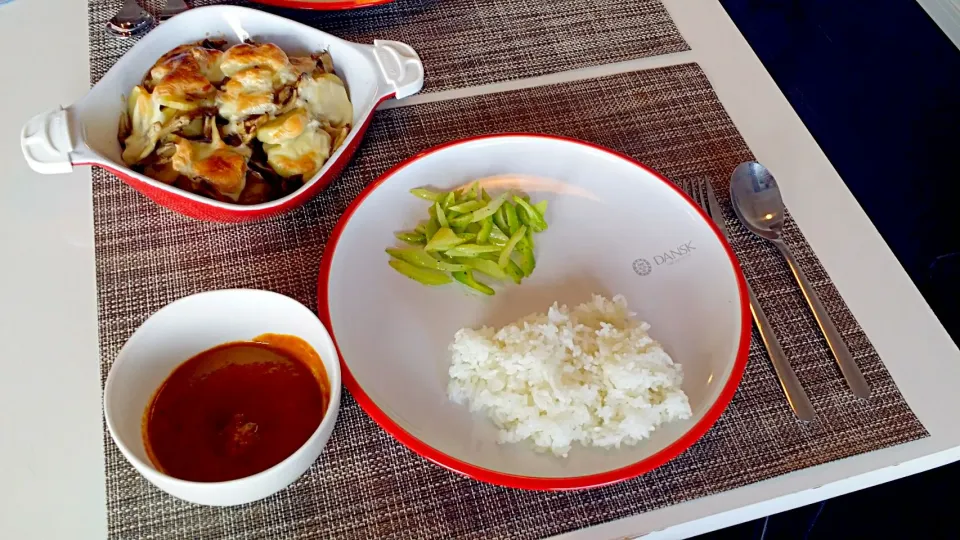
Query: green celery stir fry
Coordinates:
[469,233]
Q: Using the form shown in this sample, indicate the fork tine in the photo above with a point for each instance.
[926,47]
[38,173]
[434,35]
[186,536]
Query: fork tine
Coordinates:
[690,188]
[702,195]
[695,192]
[693,188]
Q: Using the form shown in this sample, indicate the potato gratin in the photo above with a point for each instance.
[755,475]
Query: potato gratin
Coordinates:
[245,124]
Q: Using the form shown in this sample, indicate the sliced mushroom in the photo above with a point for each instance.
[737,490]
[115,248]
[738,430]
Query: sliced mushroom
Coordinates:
[162,171]
[257,190]
[303,64]
[338,135]
[125,128]
[324,61]
[250,126]
[287,98]
[174,125]
[165,152]
[244,129]
[214,43]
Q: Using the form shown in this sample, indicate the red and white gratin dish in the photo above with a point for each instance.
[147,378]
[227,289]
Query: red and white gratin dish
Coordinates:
[615,227]
[85,133]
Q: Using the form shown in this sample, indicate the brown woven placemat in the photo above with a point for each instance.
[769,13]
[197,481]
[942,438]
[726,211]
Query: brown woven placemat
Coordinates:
[366,485]
[470,42]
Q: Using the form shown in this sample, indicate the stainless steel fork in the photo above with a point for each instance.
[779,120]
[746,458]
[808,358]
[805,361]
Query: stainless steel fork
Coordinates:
[702,193]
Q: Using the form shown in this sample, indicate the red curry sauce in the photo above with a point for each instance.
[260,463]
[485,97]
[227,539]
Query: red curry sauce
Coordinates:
[236,409]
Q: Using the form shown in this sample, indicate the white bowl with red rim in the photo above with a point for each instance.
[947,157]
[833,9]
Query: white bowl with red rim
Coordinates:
[85,133]
[185,328]
[615,227]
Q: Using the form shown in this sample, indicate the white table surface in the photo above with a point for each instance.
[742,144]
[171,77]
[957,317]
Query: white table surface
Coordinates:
[51,438]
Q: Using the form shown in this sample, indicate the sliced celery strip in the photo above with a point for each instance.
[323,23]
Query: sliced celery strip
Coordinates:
[444,240]
[449,200]
[485,266]
[467,279]
[431,228]
[529,215]
[513,221]
[428,194]
[441,215]
[469,250]
[485,229]
[413,238]
[466,207]
[423,275]
[526,262]
[490,208]
[513,271]
[512,243]
[419,257]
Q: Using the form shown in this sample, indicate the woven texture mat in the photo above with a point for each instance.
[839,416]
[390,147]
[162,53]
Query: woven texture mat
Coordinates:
[469,42]
[366,485]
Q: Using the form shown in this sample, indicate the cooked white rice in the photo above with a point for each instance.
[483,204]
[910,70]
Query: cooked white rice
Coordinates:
[591,375]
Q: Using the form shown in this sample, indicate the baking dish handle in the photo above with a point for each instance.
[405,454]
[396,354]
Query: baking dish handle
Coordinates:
[50,140]
[401,71]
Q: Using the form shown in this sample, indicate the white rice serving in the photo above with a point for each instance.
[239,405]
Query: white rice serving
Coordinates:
[590,375]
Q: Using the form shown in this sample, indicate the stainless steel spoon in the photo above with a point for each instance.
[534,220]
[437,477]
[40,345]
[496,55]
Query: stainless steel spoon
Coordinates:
[757,202]
[130,21]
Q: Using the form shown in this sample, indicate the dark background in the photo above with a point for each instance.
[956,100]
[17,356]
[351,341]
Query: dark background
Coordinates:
[877,83]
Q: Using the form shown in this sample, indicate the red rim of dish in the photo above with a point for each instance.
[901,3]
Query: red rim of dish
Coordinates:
[320,5]
[519,481]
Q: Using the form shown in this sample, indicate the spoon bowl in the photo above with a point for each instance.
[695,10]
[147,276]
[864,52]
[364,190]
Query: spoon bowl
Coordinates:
[130,21]
[756,200]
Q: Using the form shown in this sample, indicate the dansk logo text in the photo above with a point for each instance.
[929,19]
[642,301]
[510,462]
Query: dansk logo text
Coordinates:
[669,257]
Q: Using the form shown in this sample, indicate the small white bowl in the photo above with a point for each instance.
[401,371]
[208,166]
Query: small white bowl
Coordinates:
[178,332]
[615,227]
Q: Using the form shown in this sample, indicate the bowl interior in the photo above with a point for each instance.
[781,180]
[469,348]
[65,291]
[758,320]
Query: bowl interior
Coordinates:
[190,326]
[100,109]
[605,214]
